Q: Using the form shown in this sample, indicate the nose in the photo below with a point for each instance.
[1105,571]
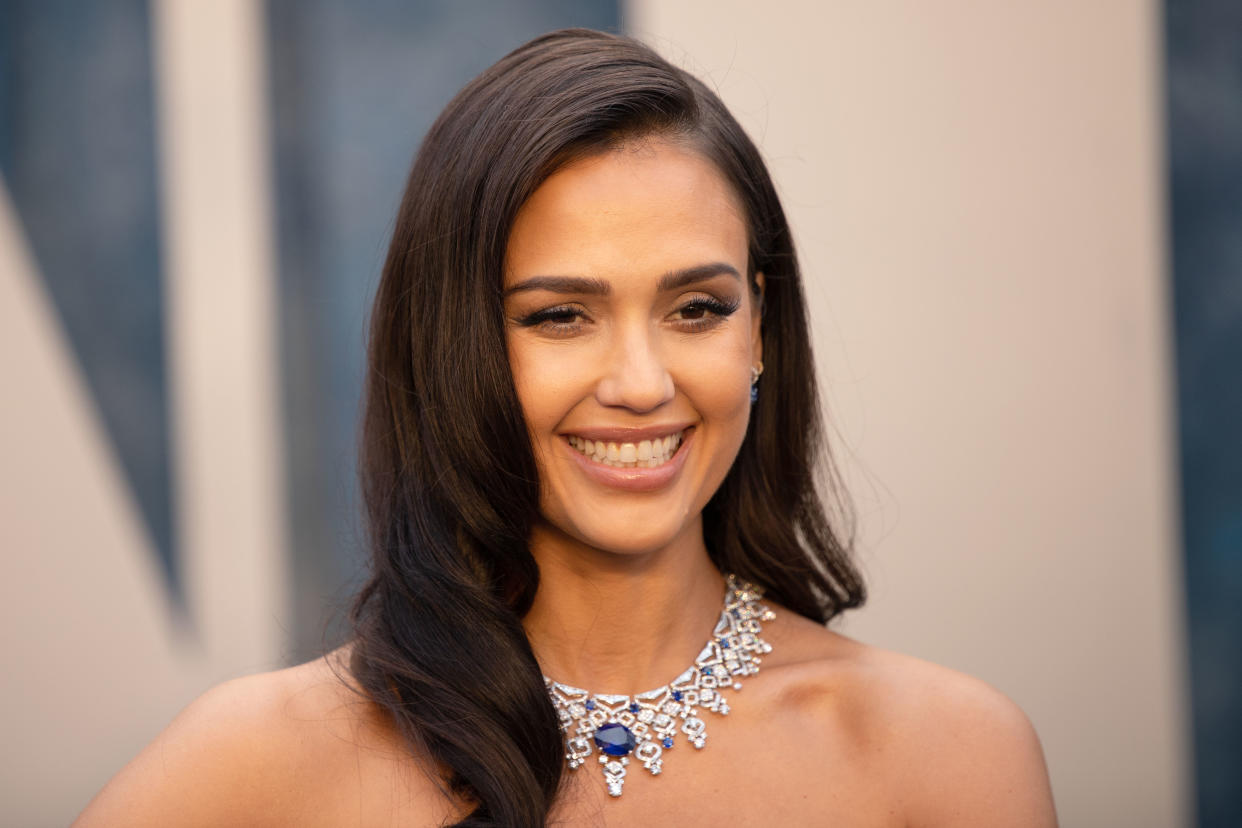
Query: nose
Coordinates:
[634,374]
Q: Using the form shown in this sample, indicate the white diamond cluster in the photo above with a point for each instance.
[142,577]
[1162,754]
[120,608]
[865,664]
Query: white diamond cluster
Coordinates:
[648,722]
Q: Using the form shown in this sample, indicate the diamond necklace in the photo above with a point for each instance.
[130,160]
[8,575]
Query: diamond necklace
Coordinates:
[645,724]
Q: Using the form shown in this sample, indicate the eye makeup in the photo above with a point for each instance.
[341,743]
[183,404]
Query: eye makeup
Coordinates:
[559,318]
[705,312]
[697,314]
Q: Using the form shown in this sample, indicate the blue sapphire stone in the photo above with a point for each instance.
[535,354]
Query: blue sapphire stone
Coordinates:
[633,707]
[590,704]
[615,739]
[677,695]
[668,741]
[724,643]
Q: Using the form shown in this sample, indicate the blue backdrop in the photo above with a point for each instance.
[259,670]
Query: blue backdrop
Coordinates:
[1204,86]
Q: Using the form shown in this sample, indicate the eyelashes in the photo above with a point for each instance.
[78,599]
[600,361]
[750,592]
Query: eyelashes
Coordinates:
[559,315]
[697,314]
[708,307]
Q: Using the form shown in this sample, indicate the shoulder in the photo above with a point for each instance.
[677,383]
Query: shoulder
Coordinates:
[963,750]
[952,748]
[230,757]
[266,749]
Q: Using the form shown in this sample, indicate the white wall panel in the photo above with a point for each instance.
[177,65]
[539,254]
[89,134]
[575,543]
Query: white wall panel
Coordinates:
[97,662]
[976,193]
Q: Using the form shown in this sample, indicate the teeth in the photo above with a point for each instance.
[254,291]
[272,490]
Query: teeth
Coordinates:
[646,454]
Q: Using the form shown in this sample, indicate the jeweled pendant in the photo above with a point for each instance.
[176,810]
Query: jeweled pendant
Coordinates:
[615,739]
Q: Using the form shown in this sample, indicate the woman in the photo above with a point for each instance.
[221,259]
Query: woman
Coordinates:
[589,457]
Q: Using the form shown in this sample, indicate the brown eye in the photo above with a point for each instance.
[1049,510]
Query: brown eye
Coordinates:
[706,311]
[693,312]
[562,317]
[561,320]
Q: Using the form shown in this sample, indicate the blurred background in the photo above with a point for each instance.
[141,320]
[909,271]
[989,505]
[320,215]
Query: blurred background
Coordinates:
[1020,228]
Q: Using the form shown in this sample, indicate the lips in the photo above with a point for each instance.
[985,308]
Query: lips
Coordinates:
[637,475]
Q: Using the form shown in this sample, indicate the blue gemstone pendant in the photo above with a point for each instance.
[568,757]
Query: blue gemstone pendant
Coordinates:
[615,739]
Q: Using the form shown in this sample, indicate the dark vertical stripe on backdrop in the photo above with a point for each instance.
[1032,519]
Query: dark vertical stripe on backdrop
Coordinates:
[1204,88]
[77,150]
[354,87]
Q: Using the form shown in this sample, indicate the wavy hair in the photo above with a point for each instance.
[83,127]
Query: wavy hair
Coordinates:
[448,474]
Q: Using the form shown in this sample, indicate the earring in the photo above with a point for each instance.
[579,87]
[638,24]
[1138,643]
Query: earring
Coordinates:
[755,371]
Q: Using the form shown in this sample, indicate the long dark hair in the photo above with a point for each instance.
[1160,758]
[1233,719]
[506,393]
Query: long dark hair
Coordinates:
[448,474]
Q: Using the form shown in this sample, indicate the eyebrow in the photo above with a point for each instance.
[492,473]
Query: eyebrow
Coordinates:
[598,287]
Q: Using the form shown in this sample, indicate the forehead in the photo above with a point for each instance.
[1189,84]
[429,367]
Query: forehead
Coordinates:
[644,208]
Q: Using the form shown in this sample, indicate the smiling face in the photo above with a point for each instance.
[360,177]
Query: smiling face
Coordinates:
[632,331]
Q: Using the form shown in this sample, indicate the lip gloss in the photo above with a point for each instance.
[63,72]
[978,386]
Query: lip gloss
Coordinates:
[637,479]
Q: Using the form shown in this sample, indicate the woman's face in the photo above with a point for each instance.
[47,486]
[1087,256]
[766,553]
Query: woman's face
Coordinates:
[631,334]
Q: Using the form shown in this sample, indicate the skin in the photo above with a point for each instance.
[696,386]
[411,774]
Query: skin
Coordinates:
[830,731]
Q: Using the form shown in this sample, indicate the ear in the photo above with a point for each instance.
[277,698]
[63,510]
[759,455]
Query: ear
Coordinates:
[756,317]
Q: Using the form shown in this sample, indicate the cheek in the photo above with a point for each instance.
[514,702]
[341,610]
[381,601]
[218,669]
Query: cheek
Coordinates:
[547,385]
[717,381]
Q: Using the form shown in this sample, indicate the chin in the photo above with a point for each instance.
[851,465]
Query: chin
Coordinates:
[626,539]
[633,535]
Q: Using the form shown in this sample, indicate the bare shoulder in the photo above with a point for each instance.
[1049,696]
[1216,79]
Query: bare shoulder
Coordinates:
[952,748]
[295,746]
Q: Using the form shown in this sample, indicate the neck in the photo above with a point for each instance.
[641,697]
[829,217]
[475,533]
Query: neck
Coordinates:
[623,624]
